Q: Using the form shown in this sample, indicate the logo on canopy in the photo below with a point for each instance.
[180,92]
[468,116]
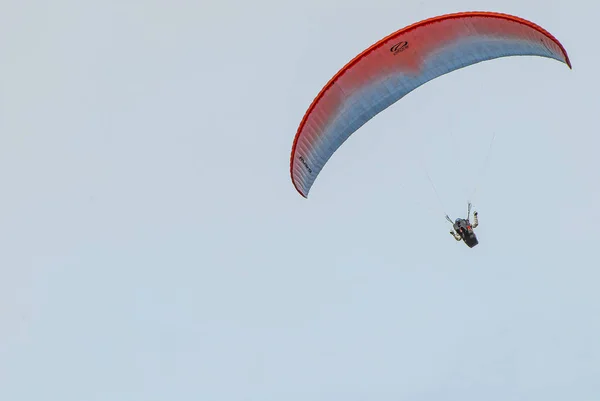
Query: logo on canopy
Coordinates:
[399,47]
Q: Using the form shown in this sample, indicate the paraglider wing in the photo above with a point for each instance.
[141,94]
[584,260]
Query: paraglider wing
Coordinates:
[399,63]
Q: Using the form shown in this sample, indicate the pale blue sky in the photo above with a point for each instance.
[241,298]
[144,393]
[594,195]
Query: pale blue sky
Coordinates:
[153,247]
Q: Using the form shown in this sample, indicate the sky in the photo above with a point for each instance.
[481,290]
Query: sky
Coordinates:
[153,247]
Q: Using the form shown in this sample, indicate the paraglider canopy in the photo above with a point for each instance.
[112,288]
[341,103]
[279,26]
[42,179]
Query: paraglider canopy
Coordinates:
[398,64]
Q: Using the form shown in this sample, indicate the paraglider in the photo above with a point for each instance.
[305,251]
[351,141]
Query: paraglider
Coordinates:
[463,229]
[399,63]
